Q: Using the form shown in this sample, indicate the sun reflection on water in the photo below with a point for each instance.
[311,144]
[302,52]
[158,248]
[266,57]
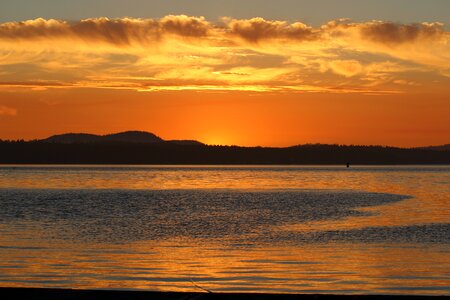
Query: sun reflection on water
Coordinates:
[398,246]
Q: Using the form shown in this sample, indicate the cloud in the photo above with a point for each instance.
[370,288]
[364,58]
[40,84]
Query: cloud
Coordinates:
[7,111]
[386,32]
[346,68]
[423,43]
[257,29]
[176,52]
[125,31]
[129,31]
[394,34]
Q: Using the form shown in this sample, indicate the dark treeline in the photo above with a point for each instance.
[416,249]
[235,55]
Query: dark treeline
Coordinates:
[38,152]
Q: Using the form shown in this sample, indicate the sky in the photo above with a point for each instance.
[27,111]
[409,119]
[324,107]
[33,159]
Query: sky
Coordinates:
[246,73]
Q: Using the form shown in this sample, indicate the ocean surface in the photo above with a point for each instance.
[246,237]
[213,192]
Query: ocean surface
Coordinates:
[288,229]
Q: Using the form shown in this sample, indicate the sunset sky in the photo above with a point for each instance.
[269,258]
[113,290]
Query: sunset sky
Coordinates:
[249,72]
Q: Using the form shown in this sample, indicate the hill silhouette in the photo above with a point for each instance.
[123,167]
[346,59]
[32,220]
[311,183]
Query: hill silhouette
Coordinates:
[73,138]
[127,136]
[138,147]
[121,137]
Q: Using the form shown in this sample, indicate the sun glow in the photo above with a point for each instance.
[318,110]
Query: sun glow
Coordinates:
[218,140]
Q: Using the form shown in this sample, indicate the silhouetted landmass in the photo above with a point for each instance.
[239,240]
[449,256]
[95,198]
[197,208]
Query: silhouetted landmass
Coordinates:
[124,137]
[185,142]
[437,148]
[127,136]
[134,147]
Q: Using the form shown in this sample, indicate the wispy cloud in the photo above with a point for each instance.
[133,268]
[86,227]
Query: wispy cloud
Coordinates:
[182,52]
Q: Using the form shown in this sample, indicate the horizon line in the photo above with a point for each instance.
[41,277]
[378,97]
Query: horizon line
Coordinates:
[226,145]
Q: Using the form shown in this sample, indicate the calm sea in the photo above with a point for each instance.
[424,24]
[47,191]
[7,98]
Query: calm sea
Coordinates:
[296,229]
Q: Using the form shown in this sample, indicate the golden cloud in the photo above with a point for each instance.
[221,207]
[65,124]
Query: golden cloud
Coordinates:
[126,31]
[394,34]
[423,43]
[183,51]
[347,68]
[258,29]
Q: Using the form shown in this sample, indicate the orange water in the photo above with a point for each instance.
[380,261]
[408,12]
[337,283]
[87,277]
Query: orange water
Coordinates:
[398,246]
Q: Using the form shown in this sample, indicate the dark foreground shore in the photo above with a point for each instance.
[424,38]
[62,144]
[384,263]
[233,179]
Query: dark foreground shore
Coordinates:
[69,294]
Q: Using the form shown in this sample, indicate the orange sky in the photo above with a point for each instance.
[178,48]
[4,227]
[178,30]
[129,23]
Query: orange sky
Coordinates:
[243,118]
[245,82]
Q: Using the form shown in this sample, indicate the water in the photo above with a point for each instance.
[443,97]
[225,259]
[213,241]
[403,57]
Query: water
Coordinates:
[296,229]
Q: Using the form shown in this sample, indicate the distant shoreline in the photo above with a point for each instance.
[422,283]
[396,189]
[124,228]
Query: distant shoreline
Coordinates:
[343,166]
[166,153]
[69,294]
[145,148]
